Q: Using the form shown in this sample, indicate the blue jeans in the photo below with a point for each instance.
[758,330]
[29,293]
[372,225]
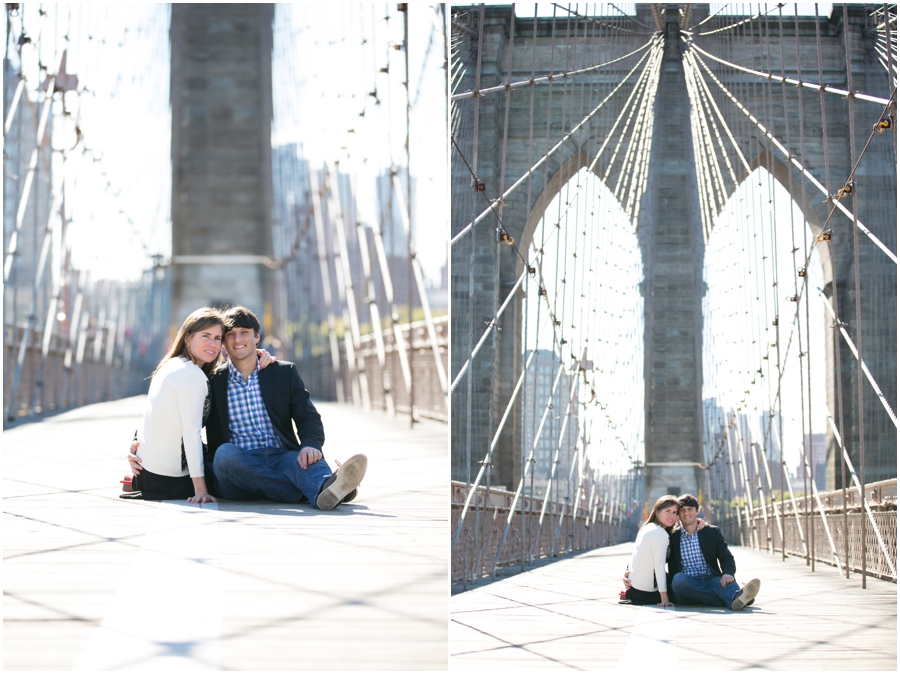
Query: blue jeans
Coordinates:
[267,472]
[706,590]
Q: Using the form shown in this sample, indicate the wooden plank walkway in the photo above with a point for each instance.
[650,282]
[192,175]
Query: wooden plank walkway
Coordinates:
[98,583]
[565,615]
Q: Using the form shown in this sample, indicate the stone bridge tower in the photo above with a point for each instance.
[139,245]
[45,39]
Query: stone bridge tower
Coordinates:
[221,93]
[669,233]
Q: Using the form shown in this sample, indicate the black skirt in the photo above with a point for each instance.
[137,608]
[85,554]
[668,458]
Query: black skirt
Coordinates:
[155,487]
[641,598]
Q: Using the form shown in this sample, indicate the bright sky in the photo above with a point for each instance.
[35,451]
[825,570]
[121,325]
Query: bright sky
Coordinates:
[526,10]
[736,274]
[330,111]
[741,303]
[600,297]
[119,195]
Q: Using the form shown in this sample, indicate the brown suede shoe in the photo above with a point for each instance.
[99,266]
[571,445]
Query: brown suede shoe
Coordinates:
[341,486]
[746,595]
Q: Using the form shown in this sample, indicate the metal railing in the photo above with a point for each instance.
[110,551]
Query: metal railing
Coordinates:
[426,392]
[52,385]
[476,554]
[832,531]
[103,348]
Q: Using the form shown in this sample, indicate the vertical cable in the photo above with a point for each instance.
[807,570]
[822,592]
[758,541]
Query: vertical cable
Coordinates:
[858,301]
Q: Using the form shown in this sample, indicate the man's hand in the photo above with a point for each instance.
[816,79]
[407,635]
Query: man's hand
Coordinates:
[727,578]
[133,460]
[625,580]
[308,456]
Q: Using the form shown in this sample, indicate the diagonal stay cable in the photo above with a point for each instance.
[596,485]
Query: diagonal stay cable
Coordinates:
[646,90]
[487,459]
[626,108]
[692,60]
[781,366]
[848,183]
[742,22]
[490,208]
[510,404]
[604,23]
[553,469]
[479,93]
[711,16]
[625,14]
[707,128]
[789,80]
[853,350]
[530,460]
[491,326]
[515,247]
[859,489]
[545,157]
[815,490]
[793,160]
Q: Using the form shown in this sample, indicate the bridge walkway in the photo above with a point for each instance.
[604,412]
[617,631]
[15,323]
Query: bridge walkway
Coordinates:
[565,615]
[94,582]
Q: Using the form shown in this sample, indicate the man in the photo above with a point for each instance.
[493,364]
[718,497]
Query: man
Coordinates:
[701,568]
[253,450]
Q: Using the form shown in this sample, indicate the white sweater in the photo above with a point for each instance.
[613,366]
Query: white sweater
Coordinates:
[649,558]
[174,413]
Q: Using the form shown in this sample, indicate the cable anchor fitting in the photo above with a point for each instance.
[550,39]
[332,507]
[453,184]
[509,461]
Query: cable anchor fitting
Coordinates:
[505,237]
[793,298]
[801,272]
[824,236]
[882,124]
[477,184]
[845,190]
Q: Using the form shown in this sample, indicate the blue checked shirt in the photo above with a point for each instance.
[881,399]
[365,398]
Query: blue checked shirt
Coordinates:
[248,420]
[693,562]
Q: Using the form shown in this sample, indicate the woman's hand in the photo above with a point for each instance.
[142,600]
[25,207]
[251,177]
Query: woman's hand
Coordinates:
[201,493]
[665,604]
[265,358]
[701,523]
[133,461]
[203,497]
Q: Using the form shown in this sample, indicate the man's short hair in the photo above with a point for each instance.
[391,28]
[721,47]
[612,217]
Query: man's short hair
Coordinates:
[687,501]
[241,317]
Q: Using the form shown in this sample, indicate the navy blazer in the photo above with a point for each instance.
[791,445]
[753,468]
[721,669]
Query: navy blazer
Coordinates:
[712,545]
[286,400]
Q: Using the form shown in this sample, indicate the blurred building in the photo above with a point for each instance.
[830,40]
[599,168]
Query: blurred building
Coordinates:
[538,395]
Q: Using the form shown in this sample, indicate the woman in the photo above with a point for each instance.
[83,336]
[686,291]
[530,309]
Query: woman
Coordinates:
[648,561]
[171,449]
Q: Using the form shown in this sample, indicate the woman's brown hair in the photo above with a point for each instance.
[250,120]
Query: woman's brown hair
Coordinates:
[661,503]
[200,320]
